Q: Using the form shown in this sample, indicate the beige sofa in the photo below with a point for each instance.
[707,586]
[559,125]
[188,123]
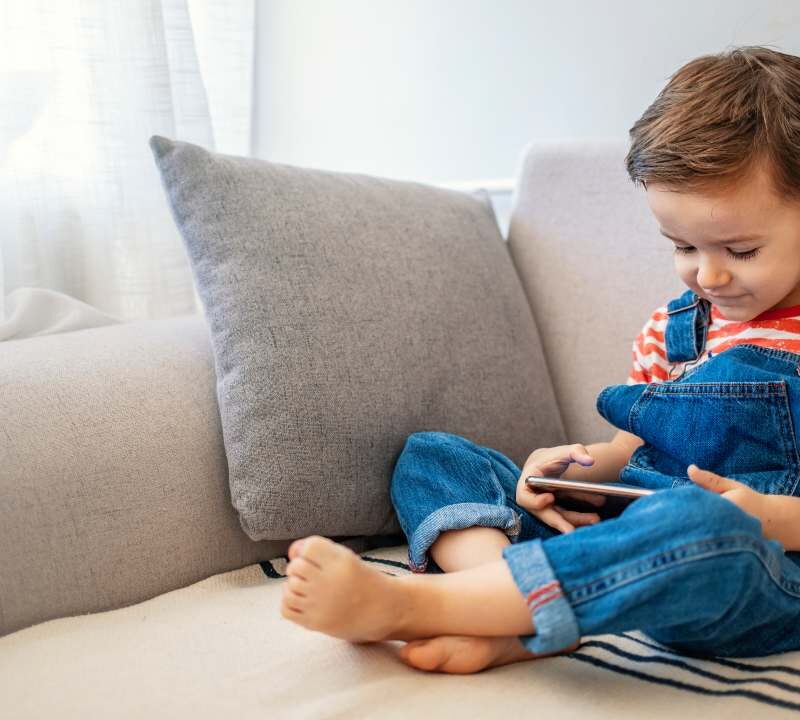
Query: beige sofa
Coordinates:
[128,589]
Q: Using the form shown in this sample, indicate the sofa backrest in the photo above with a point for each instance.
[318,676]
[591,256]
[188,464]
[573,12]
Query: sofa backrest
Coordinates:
[113,476]
[593,265]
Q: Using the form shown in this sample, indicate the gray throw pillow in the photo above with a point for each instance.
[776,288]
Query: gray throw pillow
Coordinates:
[347,312]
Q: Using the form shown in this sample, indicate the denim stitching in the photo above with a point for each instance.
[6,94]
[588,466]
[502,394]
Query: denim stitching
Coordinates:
[541,596]
[679,325]
[704,313]
[760,389]
[788,357]
[640,458]
[432,521]
[775,393]
[680,308]
[689,371]
[790,588]
[638,408]
[537,591]
[789,440]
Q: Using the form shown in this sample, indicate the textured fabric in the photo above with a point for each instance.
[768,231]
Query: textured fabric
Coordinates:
[777,329]
[592,263]
[82,83]
[113,484]
[220,648]
[347,312]
[731,414]
[445,482]
[31,312]
[684,565]
[670,563]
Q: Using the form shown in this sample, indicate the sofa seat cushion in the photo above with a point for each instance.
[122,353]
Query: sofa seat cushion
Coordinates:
[220,648]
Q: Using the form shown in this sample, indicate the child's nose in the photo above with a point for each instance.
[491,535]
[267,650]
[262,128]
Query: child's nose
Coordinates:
[711,276]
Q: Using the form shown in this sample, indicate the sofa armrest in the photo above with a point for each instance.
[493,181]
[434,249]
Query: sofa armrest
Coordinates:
[113,479]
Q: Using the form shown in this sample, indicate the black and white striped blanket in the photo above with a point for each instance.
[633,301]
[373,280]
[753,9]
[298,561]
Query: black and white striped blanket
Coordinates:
[768,682]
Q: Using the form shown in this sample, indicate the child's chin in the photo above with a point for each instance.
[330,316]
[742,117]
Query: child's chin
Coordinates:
[740,314]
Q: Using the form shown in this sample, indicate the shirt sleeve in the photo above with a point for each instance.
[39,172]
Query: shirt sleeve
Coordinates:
[648,352]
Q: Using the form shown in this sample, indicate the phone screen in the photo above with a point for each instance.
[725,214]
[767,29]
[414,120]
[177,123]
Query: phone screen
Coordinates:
[612,505]
[589,499]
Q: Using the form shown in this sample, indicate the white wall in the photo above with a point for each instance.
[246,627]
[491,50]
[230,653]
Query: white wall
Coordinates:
[451,90]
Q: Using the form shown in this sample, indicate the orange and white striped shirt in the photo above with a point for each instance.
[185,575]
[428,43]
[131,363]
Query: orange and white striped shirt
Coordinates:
[779,329]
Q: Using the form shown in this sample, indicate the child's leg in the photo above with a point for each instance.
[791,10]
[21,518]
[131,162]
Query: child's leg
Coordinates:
[685,565]
[454,500]
[461,550]
[464,549]
[332,590]
[443,483]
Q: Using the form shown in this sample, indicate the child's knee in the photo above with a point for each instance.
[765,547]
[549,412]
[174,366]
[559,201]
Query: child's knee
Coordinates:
[426,448]
[426,440]
[423,454]
[691,507]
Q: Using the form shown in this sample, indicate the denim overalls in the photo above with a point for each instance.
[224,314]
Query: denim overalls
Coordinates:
[684,565]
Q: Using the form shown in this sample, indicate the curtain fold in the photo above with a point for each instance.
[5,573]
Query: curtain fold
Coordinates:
[86,234]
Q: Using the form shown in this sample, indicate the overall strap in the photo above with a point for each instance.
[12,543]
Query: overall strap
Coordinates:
[688,318]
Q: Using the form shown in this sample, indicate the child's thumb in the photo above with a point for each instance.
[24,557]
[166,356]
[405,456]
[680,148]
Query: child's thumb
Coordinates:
[581,454]
[707,479]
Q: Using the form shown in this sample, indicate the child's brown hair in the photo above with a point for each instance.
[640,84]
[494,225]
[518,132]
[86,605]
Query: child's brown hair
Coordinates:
[716,118]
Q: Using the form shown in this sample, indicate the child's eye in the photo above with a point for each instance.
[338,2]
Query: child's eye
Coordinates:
[747,255]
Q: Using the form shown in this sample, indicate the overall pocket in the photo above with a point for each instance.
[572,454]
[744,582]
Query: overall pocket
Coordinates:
[742,430]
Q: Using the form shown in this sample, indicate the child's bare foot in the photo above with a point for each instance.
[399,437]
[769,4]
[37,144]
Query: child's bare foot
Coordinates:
[463,654]
[332,590]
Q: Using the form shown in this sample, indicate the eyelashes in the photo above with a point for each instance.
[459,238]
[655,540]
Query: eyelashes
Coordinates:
[749,255]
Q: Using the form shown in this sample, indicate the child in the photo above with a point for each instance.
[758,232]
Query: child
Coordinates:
[706,563]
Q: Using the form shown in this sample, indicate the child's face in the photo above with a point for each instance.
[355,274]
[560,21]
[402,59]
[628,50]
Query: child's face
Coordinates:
[757,272]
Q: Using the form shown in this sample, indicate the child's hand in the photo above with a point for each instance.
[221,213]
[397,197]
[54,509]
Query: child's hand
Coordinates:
[553,462]
[751,501]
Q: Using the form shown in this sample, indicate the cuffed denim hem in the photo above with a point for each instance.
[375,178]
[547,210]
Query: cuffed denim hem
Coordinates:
[458,517]
[553,618]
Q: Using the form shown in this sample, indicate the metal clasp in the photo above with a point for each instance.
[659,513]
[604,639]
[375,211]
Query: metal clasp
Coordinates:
[686,307]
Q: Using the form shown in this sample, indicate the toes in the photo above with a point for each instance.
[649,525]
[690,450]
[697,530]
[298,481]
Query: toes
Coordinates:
[304,545]
[297,586]
[290,607]
[422,654]
[294,601]
[405,650]
[317,549]
[302,568]
[460,655]
[425,655]
[295,548]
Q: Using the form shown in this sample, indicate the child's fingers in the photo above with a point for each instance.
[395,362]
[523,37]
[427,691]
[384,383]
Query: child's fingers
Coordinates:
[553,468]
[578,518]
[555,520]
[580,454]
[539,501]
[711,481]
[567,454]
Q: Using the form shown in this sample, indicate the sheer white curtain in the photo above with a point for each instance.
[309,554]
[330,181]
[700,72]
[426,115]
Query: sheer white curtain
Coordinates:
[86,237]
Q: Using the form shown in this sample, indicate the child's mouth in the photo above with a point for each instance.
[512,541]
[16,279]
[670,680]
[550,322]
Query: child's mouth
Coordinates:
[724,298]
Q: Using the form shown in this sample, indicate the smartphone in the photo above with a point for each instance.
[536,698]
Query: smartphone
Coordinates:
[606,499]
